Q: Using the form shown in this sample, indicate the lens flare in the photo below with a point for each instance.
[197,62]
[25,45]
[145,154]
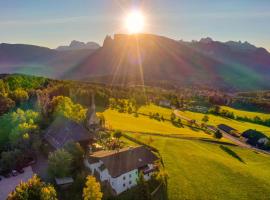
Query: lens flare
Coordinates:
[134,22]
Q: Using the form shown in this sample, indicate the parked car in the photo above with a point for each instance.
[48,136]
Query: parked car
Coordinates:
[14,172]
[20,170]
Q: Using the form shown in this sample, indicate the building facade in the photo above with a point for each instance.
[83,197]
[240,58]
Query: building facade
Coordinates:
[121,168]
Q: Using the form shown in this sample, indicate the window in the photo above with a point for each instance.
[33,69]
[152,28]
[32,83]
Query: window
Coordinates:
[124,185]
[130,176]
[124,178]
[129,182]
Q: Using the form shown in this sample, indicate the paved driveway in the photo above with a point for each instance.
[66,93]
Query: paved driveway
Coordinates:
[7,185]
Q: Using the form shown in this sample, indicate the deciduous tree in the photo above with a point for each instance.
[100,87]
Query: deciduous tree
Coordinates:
[77,153]
[33,189]
[92,190]
[59,164]
[19,95]
[64,106]
[205,119]
[218,134]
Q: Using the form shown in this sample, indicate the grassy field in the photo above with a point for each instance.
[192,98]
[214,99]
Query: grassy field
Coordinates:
[166,112]
[128,122]
[216,120]
[201,170]
[242,113]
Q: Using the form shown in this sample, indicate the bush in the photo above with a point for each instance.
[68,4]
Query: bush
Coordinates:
[59,164]
[77,153]
[218,134]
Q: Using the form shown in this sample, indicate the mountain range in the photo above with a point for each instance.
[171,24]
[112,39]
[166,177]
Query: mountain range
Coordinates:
[77,45]
[145,59]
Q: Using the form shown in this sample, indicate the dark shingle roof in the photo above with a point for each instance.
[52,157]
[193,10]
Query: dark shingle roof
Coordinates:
[253,135]
[63,130]
[226,128]
[124,160]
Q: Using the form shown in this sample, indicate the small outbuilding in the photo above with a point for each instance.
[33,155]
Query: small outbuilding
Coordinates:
[64,182]
[255,138]
[227,129]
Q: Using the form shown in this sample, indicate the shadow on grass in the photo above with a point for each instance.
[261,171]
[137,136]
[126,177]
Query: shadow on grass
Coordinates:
[231,152]
[193,128]
[217,142]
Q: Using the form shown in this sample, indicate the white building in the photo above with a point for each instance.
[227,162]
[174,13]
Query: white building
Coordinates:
[165,103]
[121,168]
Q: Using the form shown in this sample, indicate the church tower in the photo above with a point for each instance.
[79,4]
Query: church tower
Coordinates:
[92,121]
[93,106]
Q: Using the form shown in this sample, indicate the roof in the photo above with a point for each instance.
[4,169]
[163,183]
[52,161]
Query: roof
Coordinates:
[124,160]
[63,181]
[253,134]
[226,128]
[63,130]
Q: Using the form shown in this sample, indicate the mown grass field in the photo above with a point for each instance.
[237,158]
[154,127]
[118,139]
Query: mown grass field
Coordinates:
[201,170]
[242,113]
[216,120]
[128,122]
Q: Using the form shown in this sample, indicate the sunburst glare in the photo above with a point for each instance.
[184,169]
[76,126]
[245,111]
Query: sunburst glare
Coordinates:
[134,22]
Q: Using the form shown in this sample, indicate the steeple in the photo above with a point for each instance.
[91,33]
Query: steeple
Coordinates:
[93,106]
[92,121]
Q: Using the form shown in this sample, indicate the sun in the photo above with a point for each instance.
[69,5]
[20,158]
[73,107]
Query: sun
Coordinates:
[134,22]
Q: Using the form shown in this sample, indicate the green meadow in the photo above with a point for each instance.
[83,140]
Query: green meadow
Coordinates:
[199,169]
[248,114]
[216,120]
[128,122]
[204,170]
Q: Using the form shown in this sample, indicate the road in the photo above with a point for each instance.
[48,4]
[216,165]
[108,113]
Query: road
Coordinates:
[235,140]
[181,116]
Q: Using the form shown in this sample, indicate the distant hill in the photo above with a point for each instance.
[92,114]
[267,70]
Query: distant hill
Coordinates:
[147,59]
[36,60]
[157,58]
[77,45]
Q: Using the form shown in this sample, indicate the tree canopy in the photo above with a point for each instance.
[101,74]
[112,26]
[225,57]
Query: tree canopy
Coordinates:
[33,189]
[15,126]
[59,164]
[77,153]
[64,106]
[92,190]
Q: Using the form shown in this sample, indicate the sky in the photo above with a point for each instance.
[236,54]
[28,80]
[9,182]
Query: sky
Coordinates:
[52,23]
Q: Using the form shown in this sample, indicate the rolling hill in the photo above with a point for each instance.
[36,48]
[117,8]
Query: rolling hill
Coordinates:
[36,60]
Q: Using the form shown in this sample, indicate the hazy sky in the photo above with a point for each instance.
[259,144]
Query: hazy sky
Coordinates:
[57,22]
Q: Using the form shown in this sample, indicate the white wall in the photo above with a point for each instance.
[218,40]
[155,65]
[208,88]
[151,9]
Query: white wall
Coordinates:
[122,182]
